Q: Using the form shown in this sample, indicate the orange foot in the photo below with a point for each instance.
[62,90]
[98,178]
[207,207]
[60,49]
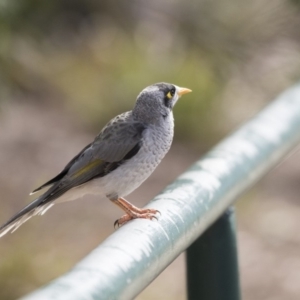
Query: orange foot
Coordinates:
[133,212]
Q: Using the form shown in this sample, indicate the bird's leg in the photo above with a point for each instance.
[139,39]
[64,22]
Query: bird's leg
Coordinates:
[128,206]
[133,212]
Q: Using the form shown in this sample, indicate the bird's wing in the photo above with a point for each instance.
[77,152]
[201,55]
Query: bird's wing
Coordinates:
[112,147]
[119,140]
[112,144]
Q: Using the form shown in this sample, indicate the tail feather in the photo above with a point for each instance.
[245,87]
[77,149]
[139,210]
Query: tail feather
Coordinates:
[36,207]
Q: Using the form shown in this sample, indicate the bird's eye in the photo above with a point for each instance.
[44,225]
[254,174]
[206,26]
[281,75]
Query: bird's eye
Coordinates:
[169,96]
[171,93]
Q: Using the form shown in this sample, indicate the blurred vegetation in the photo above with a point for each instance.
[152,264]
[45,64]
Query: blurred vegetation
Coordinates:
[94,57]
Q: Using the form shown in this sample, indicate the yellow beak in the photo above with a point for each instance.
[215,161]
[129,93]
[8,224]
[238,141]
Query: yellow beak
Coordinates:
[182,91]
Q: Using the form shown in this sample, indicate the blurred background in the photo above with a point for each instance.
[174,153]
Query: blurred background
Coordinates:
[67,67]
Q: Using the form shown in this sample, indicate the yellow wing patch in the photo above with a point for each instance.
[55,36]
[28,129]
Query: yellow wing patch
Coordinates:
[88,167]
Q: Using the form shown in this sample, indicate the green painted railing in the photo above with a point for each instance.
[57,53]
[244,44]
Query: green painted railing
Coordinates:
[128,260]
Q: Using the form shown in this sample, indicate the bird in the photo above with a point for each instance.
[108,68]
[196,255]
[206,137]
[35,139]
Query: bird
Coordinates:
[121,157]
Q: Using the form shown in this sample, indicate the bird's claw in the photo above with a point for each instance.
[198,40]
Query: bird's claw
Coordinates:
[116,223]
[145,214]
[153,217]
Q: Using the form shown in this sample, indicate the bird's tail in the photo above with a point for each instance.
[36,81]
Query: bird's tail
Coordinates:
[37,207]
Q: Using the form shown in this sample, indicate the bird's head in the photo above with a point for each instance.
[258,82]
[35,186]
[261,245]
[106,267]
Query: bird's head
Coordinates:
[157,101]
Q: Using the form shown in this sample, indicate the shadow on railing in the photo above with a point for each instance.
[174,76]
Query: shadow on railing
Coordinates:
[128,260]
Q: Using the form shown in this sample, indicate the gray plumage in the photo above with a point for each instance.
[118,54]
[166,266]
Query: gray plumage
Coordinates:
[120,158]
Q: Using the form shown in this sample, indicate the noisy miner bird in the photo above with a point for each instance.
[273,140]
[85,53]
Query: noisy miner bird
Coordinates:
[121,157]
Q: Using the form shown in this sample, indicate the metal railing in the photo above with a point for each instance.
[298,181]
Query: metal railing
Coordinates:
[128,260]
